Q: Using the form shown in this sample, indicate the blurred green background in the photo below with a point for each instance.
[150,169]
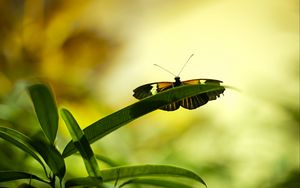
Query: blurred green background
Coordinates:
[94,53]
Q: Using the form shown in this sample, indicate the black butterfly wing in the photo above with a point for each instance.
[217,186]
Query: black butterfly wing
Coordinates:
[151,89]
[188,103]
[194,101]
[201,99]
[143,91]
[171,107]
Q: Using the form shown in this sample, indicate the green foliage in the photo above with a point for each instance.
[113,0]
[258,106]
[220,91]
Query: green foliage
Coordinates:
[12,175]
[22,142]
[41,147]
[123,172]
[116,120]
[155,182]
[82,145]
[45,109]
[51,155]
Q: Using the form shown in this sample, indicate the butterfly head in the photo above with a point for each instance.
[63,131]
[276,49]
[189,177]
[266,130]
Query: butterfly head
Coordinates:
[177,81]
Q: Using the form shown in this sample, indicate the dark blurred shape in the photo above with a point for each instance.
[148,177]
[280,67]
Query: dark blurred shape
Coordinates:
[292,180]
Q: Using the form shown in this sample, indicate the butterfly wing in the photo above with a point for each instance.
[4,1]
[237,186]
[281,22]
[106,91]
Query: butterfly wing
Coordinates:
[201,99]
[202,81]
[151,89]
[194,101]
[171,107]
[188,103]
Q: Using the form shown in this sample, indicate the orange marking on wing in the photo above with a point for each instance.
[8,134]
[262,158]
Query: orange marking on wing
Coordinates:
[164,84]
[192,82]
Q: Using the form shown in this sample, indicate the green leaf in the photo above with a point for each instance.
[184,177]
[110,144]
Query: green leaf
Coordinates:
[81,144]
[107,160]
[50,154]
[148,170]
[16,175]
[45,109]
[155,182]
[21,141]
[86,181]
[116,120]
[125,172]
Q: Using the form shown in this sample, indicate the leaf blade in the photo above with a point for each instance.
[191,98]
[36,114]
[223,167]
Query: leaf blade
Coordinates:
[45,108]
[148,170]
[22,142]
[85,181]
[155,182]
[116,120]
[50,154]
[137,171]
[16,175]
[81,144]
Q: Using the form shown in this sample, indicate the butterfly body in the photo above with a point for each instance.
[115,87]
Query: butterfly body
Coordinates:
[192,102]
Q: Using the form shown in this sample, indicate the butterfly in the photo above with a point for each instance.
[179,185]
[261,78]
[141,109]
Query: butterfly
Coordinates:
[190,103]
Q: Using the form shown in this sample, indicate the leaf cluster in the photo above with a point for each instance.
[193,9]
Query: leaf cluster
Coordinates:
[42,147]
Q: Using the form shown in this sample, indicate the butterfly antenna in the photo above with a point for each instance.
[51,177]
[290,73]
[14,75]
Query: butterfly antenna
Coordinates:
[164,69]
[185,64]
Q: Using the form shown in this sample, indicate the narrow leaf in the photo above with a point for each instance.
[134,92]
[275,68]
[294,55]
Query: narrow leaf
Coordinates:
[21,141]
[81,144]
[86,181]
[116,120]
[50,154]
[148,170]
[135,171]
[107,160]
[45,109]
[16,175]
[155,182]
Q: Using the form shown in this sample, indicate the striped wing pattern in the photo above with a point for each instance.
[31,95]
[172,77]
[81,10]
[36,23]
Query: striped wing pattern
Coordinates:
[201,99]
[188,103]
